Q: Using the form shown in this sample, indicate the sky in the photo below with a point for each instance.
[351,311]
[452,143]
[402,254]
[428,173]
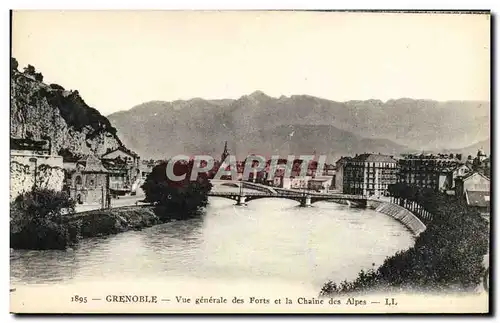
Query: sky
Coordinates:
[119,59]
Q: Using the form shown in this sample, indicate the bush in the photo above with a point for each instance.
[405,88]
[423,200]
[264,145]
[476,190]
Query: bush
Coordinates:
[37,221]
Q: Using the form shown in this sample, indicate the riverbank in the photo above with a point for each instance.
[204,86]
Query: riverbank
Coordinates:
[71,228]
[447,256]
[112,221]
[402,215]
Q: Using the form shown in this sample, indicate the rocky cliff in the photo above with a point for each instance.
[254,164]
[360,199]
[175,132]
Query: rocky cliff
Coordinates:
[41,111]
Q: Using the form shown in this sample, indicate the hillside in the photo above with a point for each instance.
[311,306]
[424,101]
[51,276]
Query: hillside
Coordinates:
[40,111]
[260,123]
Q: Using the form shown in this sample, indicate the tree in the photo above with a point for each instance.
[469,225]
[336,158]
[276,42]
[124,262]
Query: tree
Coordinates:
[13,64]
[181,198]
[38,221]
[30,70]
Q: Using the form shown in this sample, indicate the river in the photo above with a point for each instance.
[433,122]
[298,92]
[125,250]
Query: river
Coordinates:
[271,241]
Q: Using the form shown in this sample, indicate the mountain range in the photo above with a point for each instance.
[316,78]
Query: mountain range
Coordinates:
[301,124]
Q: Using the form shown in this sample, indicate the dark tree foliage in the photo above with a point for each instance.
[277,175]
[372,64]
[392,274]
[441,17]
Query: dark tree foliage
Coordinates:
[448,255]
[56,86]
[37,220]
[77,113]
[180,198]
[30,70]
[13,64]
[68,155]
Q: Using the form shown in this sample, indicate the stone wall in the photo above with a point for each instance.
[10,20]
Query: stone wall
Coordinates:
[22,176]
[407,218]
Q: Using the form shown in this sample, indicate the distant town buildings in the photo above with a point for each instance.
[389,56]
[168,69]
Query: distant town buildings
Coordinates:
[94,179]
[428,171]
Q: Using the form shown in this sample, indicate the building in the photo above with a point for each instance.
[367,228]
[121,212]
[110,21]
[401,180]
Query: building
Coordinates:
[339,173]
[474,181]
[428,171]
[124,168]
[321,183]
[146,167]
[475,189]
[297,183]
[329,170]
[368,174]
[481,163]
[478,200]
[480,157]
[459,171]
[87,182]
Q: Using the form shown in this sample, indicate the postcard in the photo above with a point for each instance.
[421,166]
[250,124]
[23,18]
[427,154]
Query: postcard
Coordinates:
[250,162]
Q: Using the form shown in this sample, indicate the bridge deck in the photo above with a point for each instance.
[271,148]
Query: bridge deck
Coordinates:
[290,194]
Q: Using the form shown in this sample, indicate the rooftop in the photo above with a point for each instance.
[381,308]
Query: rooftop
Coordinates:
[92,164]
[446,157]
[467,176]
[121,148]
[374,158]
[478,198]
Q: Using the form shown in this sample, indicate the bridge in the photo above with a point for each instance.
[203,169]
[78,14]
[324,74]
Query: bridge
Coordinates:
[305,199]
[237,184]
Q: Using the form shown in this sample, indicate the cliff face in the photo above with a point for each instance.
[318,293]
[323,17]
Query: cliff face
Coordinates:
[40,111]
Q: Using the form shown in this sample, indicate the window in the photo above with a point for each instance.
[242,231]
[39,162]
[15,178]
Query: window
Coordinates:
[78,180]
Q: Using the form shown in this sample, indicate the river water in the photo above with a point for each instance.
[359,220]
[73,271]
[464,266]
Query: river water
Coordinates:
[271,241]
